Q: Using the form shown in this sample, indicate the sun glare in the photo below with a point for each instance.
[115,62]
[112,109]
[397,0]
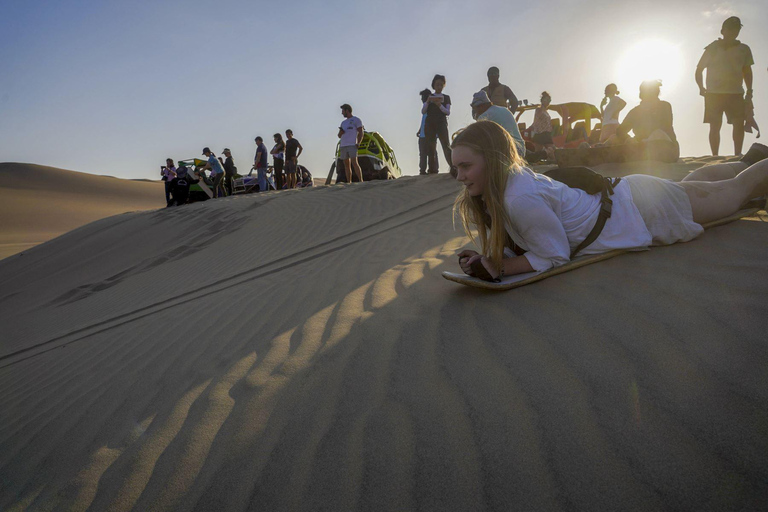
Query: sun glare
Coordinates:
[648,60]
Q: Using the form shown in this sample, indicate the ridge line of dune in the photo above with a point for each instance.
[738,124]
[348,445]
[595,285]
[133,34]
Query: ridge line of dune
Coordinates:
[194,294]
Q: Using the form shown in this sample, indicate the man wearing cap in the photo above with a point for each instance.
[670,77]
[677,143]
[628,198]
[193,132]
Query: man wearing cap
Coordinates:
[217,173]
[351,135]
[484,110]
[260,164]
[230,170]
[728,63]
[499,94]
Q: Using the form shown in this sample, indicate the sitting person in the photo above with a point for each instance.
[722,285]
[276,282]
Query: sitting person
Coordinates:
[541,129]
[547,219]
[654,137]
[184,179]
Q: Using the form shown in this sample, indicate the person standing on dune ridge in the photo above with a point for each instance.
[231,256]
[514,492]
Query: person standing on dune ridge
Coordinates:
[499,94]
[728,62]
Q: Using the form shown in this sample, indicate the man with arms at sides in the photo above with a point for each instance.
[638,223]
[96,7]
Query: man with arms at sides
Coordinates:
[230,171]
[499,94]
[260,164]
[484,110]
[351,135]
[293,150]
[729,64]
[217,173]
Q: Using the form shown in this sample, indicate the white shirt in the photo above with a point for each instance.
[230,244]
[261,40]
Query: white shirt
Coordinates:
[350,126]
[549,219]
[611,112]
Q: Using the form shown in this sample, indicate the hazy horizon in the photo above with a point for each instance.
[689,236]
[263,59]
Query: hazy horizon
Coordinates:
[116,88]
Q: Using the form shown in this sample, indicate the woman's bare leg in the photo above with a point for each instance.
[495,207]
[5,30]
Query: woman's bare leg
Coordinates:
[716,172]
[712,200]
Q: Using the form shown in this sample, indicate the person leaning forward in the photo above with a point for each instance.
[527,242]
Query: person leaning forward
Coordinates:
[729,64]
[217,173]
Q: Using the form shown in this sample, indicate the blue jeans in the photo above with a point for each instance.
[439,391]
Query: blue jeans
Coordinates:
[262,173]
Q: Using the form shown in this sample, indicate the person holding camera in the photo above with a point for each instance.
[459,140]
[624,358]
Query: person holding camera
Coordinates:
[168,174]
[438,108]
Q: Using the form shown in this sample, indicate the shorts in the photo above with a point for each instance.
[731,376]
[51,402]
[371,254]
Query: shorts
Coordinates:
[290,167]
[544,138]
[665,209]
[347,152]
[608,131]
[733,105]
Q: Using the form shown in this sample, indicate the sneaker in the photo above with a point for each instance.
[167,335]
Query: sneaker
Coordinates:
[756,153]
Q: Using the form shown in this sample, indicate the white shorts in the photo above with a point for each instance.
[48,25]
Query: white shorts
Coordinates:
[665,209]
[347,152]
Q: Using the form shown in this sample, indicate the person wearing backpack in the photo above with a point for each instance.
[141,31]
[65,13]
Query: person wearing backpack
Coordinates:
[181,185]
[550,220]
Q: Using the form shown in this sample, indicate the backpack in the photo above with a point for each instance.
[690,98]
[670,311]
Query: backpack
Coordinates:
[590,182]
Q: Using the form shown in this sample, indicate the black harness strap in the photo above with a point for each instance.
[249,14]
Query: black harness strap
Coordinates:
[606,206]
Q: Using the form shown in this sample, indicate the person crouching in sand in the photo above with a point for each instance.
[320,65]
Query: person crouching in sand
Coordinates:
[547,219]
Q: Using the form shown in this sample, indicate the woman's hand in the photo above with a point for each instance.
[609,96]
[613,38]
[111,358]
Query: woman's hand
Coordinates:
[464,263]
[490,271]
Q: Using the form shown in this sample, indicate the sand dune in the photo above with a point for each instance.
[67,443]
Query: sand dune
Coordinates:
[40,203]
[300,351]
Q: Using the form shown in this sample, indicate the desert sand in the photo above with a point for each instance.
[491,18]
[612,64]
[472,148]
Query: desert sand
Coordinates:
[300,351]
[40,203]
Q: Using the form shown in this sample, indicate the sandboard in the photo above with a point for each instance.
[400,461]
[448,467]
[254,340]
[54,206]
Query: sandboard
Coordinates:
[519,280]
[204,186]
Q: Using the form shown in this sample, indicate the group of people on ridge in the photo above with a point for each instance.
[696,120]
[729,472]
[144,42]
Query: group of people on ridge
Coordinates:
[222,171]
[530,222]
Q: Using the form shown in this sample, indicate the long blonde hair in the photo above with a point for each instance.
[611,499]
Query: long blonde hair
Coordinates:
[487,213]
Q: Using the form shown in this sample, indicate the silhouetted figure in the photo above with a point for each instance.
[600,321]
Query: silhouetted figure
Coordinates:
[500,94]
[609,110]
[422,135]
[729,64]
[278,160]
[168,174]
[181,185]
[230,171]
[438,108]
[293,150]
[260,163]
[654,137]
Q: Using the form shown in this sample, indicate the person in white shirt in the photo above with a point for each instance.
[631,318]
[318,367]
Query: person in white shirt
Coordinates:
[609,109]
[168,173]
[351,135]
[547,219]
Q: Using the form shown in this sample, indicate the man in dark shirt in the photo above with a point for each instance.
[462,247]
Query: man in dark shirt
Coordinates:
[260,164]
[650,115]
[293,150]
[229,170]
[500,94]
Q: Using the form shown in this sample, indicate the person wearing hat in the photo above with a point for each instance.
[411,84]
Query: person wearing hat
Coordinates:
[728,63]
[217,173]
[230,171]
[499,94]
[484,110]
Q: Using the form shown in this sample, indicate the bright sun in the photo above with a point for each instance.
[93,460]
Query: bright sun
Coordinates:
[648,60]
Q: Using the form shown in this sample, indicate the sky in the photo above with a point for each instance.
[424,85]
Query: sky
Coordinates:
[116,87]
